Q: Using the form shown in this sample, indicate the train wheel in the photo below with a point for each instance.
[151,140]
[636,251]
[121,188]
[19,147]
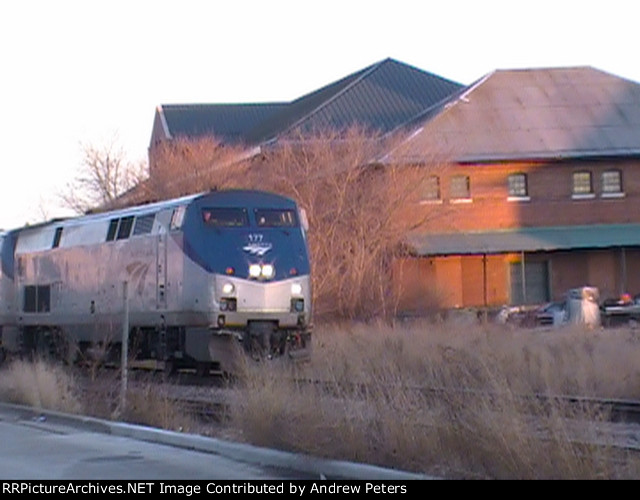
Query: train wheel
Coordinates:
[170,367]
[203,369]
[37,345]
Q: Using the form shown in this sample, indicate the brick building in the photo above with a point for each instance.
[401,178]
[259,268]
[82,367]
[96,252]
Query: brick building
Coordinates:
[538,191]
[531,182]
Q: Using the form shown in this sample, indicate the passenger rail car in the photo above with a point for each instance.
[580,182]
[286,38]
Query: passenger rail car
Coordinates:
[192,277]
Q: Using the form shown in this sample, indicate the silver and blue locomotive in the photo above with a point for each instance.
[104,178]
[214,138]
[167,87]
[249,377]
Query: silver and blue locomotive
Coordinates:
[193,278]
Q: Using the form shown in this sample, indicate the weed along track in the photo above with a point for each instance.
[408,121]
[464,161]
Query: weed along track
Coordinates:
[455,403]
[597,422]
[212,399]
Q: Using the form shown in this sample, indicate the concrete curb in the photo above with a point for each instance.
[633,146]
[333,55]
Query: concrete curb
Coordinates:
[323,468]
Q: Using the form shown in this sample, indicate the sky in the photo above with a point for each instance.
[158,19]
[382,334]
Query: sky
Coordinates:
[78,74]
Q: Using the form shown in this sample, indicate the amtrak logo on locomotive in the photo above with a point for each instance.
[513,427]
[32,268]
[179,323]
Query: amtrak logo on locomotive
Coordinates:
[256,246]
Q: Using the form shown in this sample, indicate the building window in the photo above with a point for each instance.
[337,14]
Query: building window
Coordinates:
[582,185]
[460,188]
[430,191]
[612,183]
[518,186]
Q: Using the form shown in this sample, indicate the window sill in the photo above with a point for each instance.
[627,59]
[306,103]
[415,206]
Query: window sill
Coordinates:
[518,198]
[461,200]
[589,196]
[612,195]
[430,202]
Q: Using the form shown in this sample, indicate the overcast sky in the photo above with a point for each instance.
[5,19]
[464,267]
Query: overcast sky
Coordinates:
[93,72]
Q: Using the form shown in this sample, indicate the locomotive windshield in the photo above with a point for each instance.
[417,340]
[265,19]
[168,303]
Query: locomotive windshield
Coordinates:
[225,217]
[276,218]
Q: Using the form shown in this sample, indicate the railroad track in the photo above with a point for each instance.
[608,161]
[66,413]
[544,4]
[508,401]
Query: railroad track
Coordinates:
[617,409]
[620,433]
[210,399]
[620,417]
[206,410]
[614,432]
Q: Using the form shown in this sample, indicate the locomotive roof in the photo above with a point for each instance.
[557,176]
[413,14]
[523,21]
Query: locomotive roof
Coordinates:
[148,219]
[242,196]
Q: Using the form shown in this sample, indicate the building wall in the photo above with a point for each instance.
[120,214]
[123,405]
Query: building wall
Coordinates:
[550,201]
[471,281]
[428,283]
[610,270]
[568,271]
[413,281]
[632,267]
[157,137]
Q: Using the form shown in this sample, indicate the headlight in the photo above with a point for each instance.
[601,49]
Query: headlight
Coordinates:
[254,270]
[268,271]
[228,288]
[297,305]
[296,289]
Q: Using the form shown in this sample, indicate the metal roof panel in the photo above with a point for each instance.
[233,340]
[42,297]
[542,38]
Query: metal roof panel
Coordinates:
[380,97]
[536,113]
[229,122]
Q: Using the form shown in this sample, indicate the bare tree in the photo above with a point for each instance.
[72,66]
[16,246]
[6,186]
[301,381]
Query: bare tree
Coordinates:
[104,175]
[359,213]
[191,165]
[359,210]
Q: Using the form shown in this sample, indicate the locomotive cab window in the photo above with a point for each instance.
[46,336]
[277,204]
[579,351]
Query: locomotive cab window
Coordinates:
[225,217]
[276,218]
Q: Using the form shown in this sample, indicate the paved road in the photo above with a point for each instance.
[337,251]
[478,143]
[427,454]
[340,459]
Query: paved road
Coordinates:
[49,445]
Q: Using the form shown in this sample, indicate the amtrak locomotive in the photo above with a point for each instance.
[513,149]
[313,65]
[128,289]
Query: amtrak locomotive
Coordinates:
[193,278]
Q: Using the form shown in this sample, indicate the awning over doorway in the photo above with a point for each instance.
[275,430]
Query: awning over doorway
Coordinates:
[526,239]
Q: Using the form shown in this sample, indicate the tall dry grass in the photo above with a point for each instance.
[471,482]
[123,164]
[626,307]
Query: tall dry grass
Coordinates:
[41,384]
[149,399]
[447,400]
[152,403]
[452,400]
[97,392]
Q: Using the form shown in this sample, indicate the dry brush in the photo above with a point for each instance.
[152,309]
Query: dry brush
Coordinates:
[359,210]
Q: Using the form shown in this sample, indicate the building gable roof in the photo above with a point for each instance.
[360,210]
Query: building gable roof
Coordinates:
[228,122]
[378,98]
[532,114]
